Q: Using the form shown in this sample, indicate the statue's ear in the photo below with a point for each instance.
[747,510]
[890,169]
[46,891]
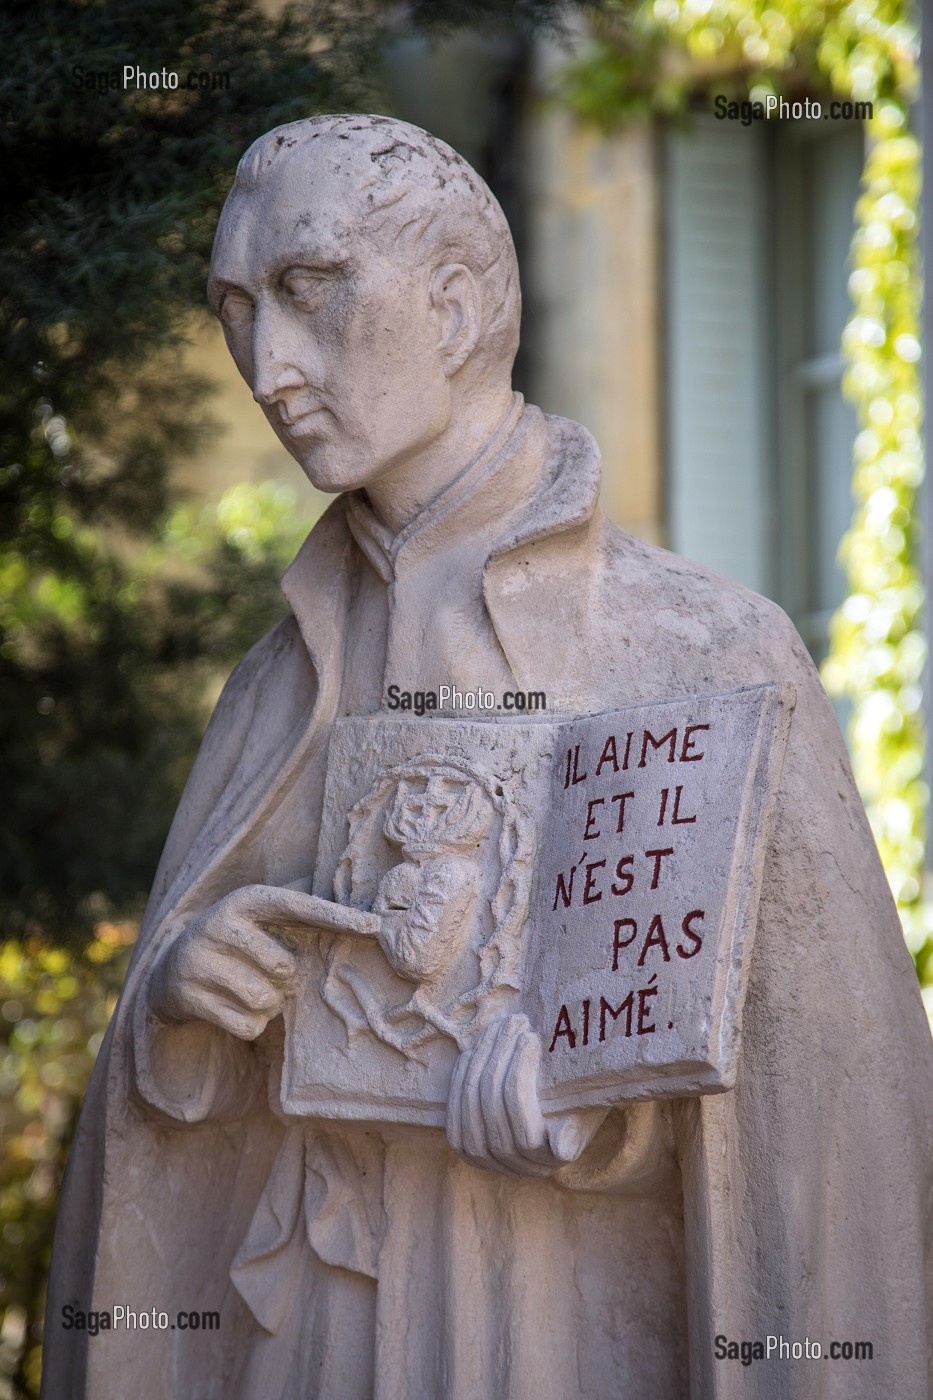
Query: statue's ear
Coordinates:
[456,301]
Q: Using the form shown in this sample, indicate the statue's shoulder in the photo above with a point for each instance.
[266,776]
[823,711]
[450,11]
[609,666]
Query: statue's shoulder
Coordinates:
[273,687]
[280,664]
[684,605]
[261,700]
[260,680]
[639,581]
[670,580]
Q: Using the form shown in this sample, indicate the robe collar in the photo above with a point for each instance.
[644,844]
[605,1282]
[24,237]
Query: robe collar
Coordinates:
[563,508]
[467,504]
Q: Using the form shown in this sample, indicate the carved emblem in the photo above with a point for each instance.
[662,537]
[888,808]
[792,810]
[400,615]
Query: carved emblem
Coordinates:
[441,851]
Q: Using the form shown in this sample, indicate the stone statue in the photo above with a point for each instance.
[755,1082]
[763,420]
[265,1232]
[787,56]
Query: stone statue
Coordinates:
[463,1235]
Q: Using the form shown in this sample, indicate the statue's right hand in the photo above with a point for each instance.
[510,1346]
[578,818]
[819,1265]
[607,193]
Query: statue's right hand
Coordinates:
[226,967]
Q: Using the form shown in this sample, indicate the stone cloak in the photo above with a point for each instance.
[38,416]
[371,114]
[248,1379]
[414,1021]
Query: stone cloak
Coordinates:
[806,1189]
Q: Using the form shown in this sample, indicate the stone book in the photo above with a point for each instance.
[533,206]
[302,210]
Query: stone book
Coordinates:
[598,874]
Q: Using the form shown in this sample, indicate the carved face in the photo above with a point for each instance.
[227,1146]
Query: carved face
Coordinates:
[438,811]
[336,337]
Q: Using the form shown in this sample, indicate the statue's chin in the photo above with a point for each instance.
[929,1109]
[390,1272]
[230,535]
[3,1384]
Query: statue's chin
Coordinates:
[314,455]
[314,459]
[324,473]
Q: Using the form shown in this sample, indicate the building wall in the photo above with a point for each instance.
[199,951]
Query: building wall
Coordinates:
[715,290]
[592,324]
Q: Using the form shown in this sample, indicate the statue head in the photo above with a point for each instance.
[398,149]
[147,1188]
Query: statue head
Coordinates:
[366,280]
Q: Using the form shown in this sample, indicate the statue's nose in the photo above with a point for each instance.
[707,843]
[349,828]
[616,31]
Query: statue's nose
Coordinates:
[273,378]
[275,370]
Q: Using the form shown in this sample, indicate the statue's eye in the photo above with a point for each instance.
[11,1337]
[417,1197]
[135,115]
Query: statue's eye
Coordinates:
[302,284]
[235,310]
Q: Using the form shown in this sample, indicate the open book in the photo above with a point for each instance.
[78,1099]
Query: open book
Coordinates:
[598,874]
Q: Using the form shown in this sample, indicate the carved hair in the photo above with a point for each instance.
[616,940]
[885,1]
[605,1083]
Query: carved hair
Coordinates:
[419,194]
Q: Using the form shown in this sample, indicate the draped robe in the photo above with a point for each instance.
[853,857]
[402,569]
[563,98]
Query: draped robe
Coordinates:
[350,1261]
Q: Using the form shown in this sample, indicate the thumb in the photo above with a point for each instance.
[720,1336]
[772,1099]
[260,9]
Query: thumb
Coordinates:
[570,1134]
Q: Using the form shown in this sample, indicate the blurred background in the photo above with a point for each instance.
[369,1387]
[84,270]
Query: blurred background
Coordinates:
[731,305]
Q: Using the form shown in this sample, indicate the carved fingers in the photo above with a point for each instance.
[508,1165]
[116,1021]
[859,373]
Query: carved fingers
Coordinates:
[494,1119]
[225,968]
[270,906]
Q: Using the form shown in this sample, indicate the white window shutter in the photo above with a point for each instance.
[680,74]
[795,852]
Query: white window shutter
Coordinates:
[717,267]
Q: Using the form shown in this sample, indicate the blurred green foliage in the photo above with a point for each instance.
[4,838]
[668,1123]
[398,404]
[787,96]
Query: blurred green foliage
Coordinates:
[54,1007]
[654,55]
[879,643]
